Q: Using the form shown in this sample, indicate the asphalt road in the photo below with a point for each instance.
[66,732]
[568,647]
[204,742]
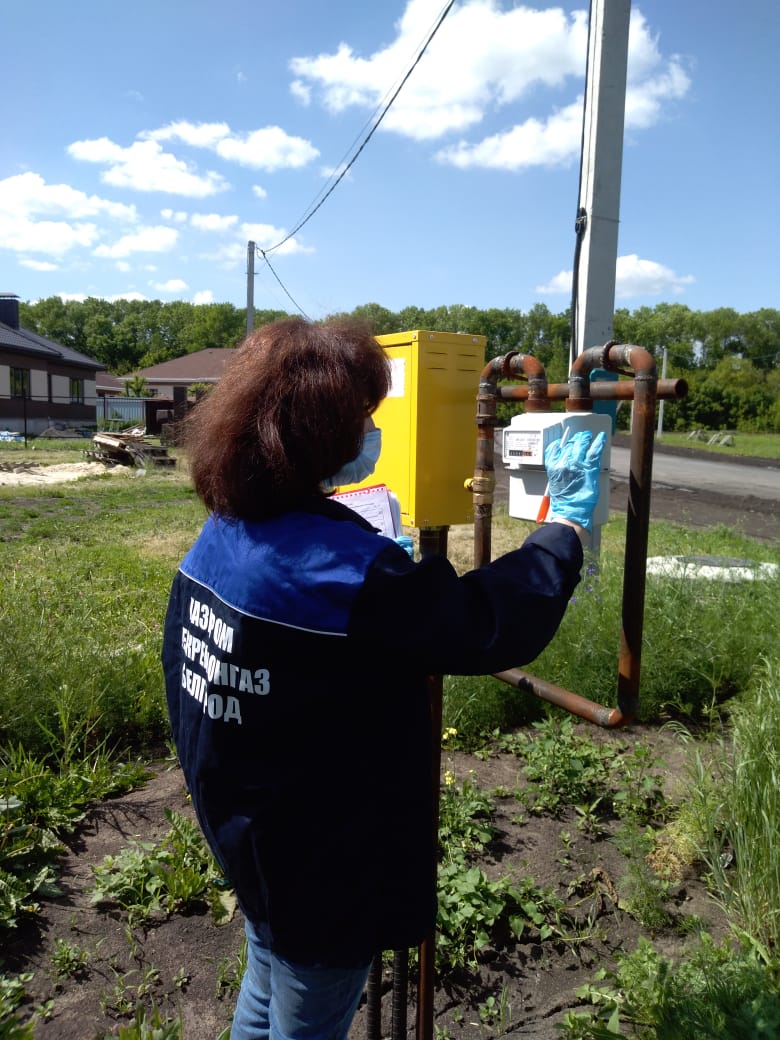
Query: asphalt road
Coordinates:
[701,490]
[713,474]
[696,489]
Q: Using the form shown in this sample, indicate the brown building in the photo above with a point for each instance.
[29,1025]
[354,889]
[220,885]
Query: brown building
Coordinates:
[42,383]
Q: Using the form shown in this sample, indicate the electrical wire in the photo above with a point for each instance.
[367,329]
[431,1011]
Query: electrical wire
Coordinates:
[313,208]
[284,287]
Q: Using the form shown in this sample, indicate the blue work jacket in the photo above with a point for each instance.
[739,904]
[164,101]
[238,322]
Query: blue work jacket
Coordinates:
[296,656]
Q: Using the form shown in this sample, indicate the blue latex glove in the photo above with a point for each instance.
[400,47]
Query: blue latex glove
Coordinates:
[406,542]
[573,476]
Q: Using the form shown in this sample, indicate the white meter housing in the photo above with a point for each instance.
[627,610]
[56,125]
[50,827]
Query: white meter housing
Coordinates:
[524,444]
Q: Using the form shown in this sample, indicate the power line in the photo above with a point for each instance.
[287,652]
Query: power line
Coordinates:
[284,287]
[312,210]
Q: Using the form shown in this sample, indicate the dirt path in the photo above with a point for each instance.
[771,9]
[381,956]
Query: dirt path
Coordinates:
[184,964]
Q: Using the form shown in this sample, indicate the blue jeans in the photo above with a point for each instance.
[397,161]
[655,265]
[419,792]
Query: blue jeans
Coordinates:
[283,1001]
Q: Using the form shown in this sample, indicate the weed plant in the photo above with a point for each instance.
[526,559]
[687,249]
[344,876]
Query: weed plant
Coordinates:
[149,1025]
[736,797]
[11,996]
[474,911]
[566,768]
[718,993]
[153,879]
[41,802]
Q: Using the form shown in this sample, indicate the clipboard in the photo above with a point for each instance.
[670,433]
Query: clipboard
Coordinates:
[376,504]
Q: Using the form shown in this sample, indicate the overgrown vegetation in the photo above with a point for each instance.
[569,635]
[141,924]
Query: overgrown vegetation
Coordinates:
[701,639]
[88,567]
[152,879]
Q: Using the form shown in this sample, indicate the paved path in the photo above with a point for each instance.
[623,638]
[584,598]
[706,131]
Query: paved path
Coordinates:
[714,475]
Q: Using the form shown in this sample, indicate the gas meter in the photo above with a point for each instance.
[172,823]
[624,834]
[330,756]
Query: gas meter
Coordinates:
[524,444]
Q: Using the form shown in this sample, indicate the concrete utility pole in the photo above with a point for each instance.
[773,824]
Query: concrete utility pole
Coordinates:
[602,160]
[661,401]
[250,286]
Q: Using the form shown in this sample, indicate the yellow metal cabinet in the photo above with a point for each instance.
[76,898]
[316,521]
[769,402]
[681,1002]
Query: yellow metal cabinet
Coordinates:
[428,423]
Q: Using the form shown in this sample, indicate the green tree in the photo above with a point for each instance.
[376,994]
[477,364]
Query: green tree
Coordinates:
[218,325]
[136,387]
[53,318]
[381,320]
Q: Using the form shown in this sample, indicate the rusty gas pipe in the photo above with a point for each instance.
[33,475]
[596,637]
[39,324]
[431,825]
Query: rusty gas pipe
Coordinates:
[579,394]
[511,366]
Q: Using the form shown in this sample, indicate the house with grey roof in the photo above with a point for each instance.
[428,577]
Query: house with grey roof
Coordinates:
[42,383]
[174,378]
[168,389]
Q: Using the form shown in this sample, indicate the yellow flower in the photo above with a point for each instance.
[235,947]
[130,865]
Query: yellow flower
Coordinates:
[449,732]
[449,777]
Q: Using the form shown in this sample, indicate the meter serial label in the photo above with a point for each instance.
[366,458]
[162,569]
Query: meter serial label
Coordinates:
[523,444]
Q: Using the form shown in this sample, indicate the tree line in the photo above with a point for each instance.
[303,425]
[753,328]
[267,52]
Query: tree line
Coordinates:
[730,360]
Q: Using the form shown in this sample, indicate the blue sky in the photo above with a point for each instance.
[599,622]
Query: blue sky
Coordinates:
[146,143]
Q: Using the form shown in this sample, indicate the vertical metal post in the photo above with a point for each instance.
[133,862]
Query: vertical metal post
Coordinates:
[374,1000]
[250,286]
[400,994]
[433,540]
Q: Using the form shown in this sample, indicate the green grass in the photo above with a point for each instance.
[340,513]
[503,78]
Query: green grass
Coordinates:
[735,798]
[44,451]
[719,992]
[701,640]
[754,445]
[87,570]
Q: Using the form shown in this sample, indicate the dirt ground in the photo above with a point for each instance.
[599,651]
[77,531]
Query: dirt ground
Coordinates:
[178,963]
[184,964]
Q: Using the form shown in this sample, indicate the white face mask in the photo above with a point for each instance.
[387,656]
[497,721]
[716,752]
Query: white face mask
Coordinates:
[363,464]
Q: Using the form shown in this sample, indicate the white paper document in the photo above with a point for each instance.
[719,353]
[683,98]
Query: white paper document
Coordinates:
[376,504]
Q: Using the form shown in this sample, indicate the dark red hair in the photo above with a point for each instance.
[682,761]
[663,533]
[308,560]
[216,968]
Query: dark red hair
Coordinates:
[286,415]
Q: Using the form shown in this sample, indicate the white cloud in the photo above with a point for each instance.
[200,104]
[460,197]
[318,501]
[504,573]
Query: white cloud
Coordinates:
[266,236]
[144,166]
[259,192]
[178,216]
[123,266]
[637,277]
[269,148]
[81,297]
[559,283]
[28,194]
[551,142]
[145,240]
[50,237]
[482,60]
[173,285]
[301,93]
[199,135]
[212,221]
[36,217]
[204,296]
[633,277]
[39,265]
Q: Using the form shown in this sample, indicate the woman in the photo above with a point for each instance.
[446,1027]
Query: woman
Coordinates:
[297,645]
